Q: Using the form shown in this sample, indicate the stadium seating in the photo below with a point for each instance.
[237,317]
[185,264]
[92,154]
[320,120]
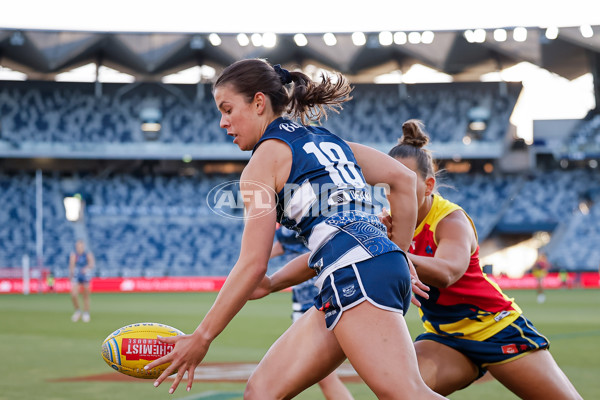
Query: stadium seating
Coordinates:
[71,113]
[545,199]
[585,138]
[483,196]
[18,222]
[378,111]
[159,225]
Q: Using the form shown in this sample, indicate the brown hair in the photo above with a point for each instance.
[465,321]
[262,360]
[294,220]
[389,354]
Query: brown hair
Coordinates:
[306,99]
[411,145]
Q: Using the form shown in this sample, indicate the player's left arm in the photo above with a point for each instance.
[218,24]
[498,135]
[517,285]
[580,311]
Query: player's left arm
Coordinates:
[91,262]
[263,170]
[456,242]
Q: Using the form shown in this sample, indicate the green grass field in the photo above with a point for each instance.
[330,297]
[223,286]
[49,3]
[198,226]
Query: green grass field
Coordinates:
[39,344]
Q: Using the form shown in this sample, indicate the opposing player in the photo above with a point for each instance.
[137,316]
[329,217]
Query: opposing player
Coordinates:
[81,264]
[303,298]
[314,183]
[470,325]
[539,270]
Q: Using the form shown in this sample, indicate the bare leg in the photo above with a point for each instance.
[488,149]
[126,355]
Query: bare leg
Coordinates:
[306,353]
[334,389]
[75,295]
[535,376]
[444,369]
[86,297]
[379,346]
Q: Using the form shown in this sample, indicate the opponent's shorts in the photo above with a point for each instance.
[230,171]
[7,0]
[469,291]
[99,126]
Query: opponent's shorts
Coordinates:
[539,273]
[510,343]
[383,281]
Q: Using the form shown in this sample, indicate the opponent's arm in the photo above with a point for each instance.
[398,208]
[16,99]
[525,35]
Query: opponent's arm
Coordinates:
[456,242]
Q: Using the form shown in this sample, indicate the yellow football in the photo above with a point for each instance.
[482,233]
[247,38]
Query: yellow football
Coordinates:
[130,348]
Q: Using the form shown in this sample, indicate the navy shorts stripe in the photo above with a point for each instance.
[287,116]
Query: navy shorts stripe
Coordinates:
[384,281]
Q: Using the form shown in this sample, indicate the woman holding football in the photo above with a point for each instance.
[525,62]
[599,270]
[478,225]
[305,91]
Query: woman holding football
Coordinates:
[315,184]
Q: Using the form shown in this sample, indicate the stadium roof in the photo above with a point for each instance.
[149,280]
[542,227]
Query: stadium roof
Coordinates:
[154,38]
[466,55]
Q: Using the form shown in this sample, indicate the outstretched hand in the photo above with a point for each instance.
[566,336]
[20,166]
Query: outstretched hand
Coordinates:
[188,352]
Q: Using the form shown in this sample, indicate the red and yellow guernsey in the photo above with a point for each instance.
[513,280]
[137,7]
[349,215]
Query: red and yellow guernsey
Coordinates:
[473,307]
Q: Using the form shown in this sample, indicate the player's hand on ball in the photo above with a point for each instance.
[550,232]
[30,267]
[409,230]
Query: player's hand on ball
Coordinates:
[188,352]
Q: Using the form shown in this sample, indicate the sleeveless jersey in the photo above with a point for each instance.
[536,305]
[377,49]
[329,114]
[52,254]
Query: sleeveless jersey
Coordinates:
[473,307]
[81,261]
[325,199]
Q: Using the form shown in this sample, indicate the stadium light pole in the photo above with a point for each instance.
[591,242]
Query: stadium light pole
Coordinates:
[39,223]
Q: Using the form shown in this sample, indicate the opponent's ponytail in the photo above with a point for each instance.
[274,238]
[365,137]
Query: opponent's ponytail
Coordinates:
[412,145]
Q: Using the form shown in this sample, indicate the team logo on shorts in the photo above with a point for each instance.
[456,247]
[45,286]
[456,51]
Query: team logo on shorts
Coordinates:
[510,349]
[349,291]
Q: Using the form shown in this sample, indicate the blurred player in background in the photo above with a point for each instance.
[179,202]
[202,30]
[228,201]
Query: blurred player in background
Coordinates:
[317,185]
[303,298]
[81,264]
[540,271]
[50,281]
[470,325]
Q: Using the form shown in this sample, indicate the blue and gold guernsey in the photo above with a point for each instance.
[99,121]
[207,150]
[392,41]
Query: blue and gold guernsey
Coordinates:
[473,307]
[326,199]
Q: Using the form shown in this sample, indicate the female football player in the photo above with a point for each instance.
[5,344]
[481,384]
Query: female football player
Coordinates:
[470,325]
[81,264]
[314,183]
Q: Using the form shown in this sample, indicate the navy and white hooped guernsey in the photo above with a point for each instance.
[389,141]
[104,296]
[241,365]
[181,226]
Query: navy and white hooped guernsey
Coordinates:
[326,199]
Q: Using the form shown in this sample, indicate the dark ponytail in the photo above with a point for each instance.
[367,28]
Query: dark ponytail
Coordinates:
[305,99]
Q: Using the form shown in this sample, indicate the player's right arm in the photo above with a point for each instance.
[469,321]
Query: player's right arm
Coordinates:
[72,265]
